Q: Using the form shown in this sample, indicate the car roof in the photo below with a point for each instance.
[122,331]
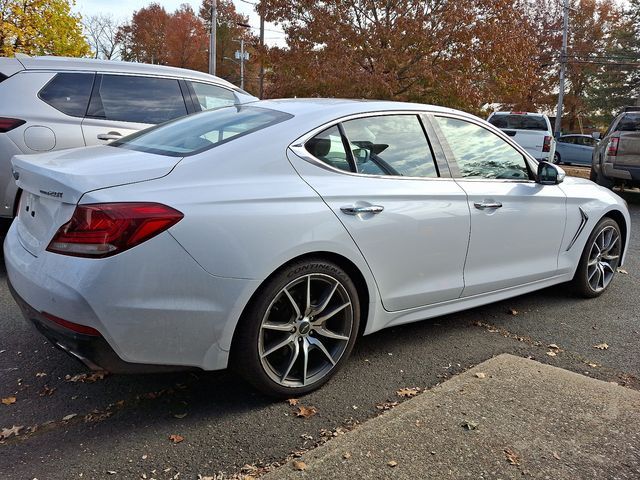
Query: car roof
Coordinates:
[112,66]
[576,135]
[342,106]
[531,114]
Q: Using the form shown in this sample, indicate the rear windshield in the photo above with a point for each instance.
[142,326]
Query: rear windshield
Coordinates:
[629,123]
[201,131]
[519,122]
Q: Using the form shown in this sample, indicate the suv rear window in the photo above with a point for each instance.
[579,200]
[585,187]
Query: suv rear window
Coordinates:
[68,93]
[202,131]
[519,122]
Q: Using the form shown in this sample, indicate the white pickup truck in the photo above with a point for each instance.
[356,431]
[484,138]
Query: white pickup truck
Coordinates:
[532,131]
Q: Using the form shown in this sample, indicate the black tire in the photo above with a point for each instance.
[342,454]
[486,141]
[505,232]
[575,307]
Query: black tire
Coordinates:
[279,303]
[556,158]
[584,278]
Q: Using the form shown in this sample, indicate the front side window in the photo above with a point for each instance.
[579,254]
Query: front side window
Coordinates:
[202,131]
[212,96]
[480,153]
[128,98]
[390,145]
[68,93]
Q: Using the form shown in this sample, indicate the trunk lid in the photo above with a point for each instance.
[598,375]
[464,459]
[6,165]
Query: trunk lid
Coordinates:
[53,183]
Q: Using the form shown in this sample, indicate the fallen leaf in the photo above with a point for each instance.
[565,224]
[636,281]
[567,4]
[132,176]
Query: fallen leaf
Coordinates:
[144,457]
[7,432]
[623,271]
[469,425]
[408,392]
[47,391]
[8,400]
[481,375]
[299,465]
[293,401]
[176,438]
[179,415]
[551,354]
[556,456]
[87,377]
[593,365]
[513,311]
[346,455]
[306,412]
[69,417]
[386,405]
[111,472]
[41,374]
[554,346]
[601,346]
[392,463]
[512,457]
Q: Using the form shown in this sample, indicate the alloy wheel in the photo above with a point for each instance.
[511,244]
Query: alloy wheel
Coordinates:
[305,330]
[604,257]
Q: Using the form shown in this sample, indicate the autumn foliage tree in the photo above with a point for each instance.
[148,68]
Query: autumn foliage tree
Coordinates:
[40,27]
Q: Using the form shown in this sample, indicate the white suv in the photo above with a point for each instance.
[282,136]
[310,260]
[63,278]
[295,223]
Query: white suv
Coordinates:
[532,131]
[53,103]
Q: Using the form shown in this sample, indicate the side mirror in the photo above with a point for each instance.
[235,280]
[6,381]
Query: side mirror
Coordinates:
[361,155]
[550,174]
[595,135]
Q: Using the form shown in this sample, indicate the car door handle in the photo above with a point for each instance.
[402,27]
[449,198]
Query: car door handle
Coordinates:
[109,136]
[356,210]
[486,205]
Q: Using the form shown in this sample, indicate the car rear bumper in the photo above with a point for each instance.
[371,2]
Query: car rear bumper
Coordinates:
[623,172]
[91,350]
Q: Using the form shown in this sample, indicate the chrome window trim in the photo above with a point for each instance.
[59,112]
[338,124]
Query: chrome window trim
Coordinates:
[297,146]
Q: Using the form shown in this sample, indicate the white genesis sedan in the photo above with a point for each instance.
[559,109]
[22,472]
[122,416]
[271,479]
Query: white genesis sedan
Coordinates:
[269,236]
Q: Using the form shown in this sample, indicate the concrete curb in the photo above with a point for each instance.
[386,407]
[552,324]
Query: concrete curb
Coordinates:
[523,419]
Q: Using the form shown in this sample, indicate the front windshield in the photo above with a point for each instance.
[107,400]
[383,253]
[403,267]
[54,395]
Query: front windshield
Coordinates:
[199,132]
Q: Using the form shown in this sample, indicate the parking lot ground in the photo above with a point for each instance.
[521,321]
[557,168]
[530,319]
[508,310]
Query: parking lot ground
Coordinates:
[124,424]
[506,418]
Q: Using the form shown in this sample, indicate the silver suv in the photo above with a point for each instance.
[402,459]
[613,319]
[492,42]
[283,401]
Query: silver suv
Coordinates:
[52,103]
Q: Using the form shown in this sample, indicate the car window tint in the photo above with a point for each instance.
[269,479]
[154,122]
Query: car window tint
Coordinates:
[212,96]
[519,122]
[565,140]
[629,123]
[328,147]
[68,93]
[136,99]
[480,153]
[390,145]
[201,131]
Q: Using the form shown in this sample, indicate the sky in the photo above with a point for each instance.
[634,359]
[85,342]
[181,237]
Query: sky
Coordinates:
[123,10]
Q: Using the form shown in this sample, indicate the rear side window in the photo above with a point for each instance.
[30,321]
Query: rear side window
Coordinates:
[69,93]
[128,98]
[212,96]
[202,131]
[519,122]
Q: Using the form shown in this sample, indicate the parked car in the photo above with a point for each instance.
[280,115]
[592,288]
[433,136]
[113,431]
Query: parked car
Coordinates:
[616,159]
[532,131]
[574,149]
[53,103]
[268,236]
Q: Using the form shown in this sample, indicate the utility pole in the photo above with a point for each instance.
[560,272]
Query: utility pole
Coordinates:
[212,37]
[261,57]
[242,63]
[563,66]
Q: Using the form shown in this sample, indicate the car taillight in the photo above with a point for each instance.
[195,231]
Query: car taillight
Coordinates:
[8,124]
[612,149]
[546,146]
[104,229]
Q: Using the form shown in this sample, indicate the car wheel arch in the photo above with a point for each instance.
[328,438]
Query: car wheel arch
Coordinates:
[618,217]
[345,263]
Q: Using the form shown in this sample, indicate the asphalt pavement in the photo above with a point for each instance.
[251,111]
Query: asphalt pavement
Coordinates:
[213,425]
